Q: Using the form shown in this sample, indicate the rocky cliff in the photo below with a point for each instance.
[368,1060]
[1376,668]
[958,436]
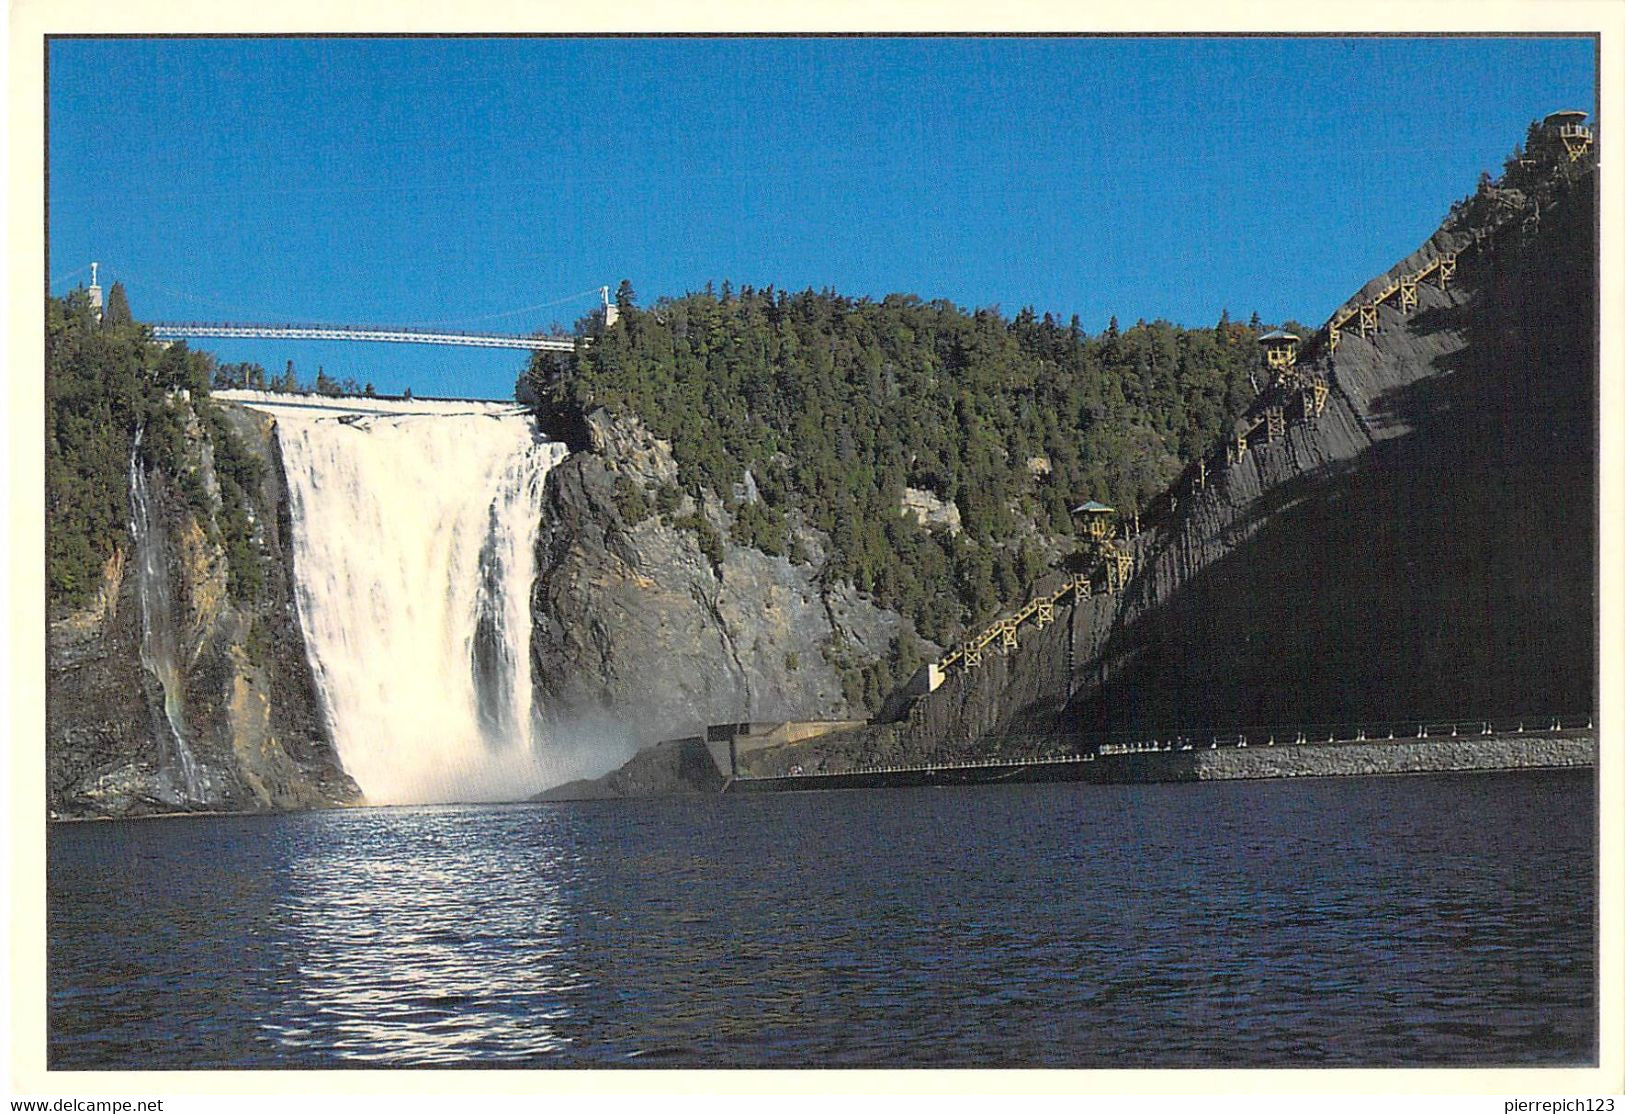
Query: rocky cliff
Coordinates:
[168,694]
[651,626]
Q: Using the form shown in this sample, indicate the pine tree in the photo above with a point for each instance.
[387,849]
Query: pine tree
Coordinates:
[118,308]
[288,384]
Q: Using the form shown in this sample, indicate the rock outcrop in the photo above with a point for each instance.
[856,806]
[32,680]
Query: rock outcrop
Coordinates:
[251,736]
[1425,547]
[638,629]
[676,768]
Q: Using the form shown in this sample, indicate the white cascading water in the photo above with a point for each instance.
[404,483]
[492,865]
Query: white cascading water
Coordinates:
[414,550]
[160,653]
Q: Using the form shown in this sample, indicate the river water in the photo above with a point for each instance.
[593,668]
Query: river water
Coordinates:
[1424,920]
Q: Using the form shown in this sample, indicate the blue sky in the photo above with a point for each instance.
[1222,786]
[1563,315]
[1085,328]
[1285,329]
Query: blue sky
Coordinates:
[422,181]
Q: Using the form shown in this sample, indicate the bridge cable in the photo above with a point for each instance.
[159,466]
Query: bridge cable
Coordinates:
[77,270]
[513,312]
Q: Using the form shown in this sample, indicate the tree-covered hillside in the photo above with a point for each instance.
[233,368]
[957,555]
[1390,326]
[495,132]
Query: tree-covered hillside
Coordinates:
[825,408]
[105,381]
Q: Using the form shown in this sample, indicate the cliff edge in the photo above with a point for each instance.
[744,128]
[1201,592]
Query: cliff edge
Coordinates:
[170,694]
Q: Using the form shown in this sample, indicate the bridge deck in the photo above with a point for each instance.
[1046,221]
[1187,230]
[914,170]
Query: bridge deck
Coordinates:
[181,330]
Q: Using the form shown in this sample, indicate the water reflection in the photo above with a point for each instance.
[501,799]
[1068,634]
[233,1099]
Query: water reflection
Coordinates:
[429,936]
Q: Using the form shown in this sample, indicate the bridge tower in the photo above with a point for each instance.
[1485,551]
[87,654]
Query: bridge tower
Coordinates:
[95,292]
[612,312]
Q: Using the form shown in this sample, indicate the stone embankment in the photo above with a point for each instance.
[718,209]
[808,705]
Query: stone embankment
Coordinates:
[1152,763]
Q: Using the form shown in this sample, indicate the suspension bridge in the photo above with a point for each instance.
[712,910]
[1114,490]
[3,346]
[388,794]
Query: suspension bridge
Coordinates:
[388,334]
[169,330]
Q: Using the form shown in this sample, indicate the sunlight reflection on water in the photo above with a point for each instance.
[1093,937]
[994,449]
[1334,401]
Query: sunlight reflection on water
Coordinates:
[476,963]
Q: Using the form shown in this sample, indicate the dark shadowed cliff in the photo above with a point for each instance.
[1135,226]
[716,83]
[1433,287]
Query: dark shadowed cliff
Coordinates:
[1425,547]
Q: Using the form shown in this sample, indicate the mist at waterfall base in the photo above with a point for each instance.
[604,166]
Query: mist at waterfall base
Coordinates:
[414,532]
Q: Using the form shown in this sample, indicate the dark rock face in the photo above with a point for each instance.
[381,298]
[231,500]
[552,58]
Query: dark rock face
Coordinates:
[1425,547]
[244,697]
[681,768]
[637,629]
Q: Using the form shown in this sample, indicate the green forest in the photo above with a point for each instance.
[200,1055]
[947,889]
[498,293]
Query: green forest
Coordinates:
[105,381]
[834,405]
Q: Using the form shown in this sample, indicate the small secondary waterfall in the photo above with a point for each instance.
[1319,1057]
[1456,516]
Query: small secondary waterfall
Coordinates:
[414,552]
[160,652]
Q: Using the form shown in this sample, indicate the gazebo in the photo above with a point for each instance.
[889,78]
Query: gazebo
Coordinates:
[1096,518]
[1280,349]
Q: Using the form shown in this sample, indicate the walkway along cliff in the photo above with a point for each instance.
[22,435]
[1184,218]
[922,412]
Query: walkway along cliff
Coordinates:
[1404,527]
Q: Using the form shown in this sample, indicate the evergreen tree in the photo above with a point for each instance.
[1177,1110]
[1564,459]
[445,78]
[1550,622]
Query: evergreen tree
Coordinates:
[117,311]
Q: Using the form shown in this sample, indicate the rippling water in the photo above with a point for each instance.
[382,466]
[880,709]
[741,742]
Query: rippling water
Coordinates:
[1419,920]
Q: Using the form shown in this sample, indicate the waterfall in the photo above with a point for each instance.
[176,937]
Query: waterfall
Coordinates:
[414,551]
[160,652]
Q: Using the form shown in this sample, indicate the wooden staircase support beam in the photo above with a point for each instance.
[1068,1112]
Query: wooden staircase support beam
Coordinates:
[1408,293]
